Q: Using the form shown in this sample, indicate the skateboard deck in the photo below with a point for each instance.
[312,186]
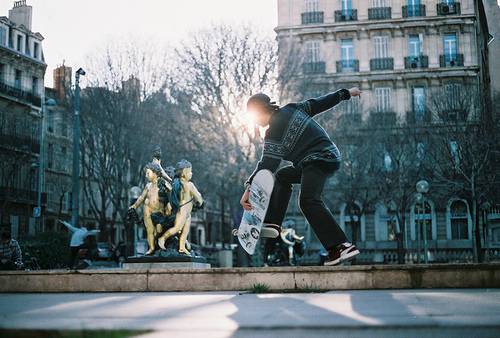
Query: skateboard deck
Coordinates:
[248,232]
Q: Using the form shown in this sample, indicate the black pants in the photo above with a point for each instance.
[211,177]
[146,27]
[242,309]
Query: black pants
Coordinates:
[312,179]
[73,255]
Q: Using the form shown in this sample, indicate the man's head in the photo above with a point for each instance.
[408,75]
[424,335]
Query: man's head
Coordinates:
[153,171]
[184,169]
[262,108]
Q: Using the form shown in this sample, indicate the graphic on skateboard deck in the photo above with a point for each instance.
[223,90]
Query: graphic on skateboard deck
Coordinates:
[251,222]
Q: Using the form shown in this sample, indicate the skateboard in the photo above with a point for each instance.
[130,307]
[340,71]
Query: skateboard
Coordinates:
[248,232]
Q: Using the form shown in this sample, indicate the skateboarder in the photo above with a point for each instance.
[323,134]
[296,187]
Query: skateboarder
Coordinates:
[294,136]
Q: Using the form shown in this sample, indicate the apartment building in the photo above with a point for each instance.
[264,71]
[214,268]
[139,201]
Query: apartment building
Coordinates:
[398,52]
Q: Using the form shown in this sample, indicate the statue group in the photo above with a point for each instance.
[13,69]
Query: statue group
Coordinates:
[168,201]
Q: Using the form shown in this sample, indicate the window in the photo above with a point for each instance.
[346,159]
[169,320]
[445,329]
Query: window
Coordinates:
[312,51]
[455,153]
[413,2]
[380,3]
[2,72]
[19,45]
[347,49]
[312,5]
[34,85]
[381,46]
[50,121]
[450,46]
[36,48]
[383,99]
[420,151]
[453,92]
[387,161]
[3,36]
[64,159]
[352,223]
[386,223]
[448,2]
[415,45]
[346,5]
[418,102]
[459,220]
[17,79]
[423,220]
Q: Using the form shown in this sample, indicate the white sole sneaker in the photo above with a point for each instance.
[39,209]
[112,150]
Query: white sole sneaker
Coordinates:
[343,257]
[269,231]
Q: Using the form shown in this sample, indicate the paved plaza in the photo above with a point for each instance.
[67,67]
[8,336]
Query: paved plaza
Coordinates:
[381,313]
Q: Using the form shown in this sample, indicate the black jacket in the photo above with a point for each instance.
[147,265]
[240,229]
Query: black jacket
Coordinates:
[294,136]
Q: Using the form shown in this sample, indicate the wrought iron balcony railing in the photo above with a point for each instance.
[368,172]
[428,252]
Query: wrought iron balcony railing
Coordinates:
[451,60]
[382,64]
[418,117]
[313,67]
[414,62]
[312,17]
[20,143]
[448,9]
[346,66]
[413,11]
[346,15]
[382,118]
[21,195]
[20,94]
[379,13]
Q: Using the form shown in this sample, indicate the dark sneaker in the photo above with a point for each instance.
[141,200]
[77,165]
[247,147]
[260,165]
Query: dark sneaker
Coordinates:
[270,230]
[341,253]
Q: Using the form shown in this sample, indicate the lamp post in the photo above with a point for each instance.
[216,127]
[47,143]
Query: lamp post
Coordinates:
[76,150]
[37,212]
[423,188]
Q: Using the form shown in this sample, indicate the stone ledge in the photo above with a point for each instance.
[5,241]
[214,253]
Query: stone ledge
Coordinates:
[276,278]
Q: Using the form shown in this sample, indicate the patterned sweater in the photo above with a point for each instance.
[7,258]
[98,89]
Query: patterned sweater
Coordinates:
[294,136]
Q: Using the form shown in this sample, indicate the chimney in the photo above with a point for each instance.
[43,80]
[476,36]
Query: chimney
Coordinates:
[20,14]
[62,82]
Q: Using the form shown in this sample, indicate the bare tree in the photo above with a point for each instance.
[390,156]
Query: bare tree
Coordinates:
[463,146]
[219,68]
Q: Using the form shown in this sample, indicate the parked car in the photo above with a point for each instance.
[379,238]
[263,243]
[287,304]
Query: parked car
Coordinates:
[104,250]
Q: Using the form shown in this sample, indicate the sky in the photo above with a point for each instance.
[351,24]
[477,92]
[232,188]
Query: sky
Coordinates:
[73,28]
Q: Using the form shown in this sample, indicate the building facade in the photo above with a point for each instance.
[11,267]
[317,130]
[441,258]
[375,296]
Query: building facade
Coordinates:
[398,52]
[22,70]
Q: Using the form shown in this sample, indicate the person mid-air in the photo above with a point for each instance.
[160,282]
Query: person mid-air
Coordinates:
[294,136]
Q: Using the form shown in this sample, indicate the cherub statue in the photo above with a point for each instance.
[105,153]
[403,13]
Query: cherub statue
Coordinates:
[153,205]
[183,198]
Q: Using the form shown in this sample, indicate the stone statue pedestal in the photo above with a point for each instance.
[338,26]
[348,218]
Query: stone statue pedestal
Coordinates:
[166,262]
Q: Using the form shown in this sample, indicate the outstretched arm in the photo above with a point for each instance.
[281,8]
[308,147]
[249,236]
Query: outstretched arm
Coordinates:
[196,194]
[69,226]
[320,104]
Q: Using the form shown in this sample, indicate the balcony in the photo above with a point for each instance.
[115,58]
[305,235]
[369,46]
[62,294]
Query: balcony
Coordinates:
[312,17]
[382,64]
[347,66]
[414,62]
[448,9]
[418,117]
[21,143]
[382,118]
[313,67]
[20,94]
[21,195]
[413,11]
[451,60]
[346,15]
[379,13]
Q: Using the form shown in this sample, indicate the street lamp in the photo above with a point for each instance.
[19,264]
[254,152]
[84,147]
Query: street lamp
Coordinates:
[37,212]
[422,188]
[76,150]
